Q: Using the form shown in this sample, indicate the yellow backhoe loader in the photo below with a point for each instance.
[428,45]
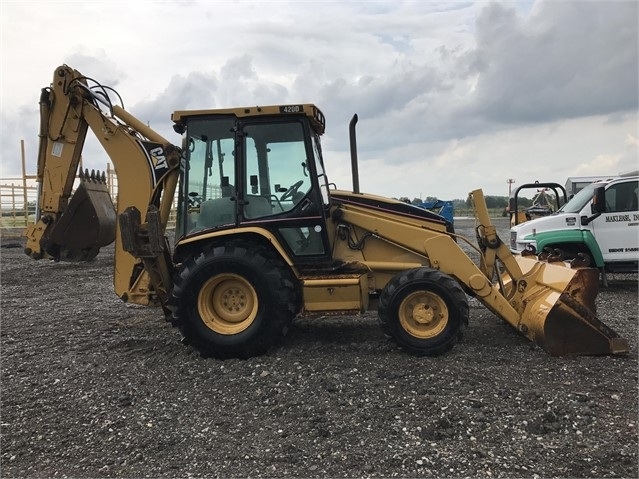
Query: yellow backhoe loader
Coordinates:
[262,236]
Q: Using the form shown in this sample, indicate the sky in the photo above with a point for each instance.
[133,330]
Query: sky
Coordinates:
[451,96]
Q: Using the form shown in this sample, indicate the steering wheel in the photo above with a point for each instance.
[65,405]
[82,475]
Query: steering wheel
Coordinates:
[292,190]
[194,199]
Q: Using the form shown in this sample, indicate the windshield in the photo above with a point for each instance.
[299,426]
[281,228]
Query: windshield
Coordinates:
[209,175]
[319,167]
[581,199]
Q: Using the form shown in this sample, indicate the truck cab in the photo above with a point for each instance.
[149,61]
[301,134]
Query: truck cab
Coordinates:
[601,222]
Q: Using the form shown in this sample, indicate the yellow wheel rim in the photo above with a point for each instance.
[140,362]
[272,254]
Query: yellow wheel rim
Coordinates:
[227,304]
[423,314]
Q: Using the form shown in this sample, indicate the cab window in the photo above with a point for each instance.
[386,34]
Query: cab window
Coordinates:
[622,197]
[276,177]
[319,167]
[209,174]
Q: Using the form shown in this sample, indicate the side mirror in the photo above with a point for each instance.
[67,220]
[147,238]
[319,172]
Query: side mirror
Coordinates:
[253,181]
[598,204]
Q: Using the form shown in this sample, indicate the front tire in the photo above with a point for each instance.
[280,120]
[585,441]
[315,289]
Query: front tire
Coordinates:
[234,300]
[423,310]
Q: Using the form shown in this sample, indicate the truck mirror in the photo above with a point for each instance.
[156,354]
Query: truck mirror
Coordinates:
[598,205]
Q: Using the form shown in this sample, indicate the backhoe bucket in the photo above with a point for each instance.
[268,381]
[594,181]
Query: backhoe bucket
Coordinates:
[87,223]
[559,310]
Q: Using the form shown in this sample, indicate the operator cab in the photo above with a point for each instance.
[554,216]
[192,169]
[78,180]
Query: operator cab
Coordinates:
[255,167]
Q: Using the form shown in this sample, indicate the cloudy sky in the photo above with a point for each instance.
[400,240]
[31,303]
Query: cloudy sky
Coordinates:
[451,96]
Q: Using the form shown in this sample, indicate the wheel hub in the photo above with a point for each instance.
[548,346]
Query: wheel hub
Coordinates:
[227,304]
[232,301]
[423,314]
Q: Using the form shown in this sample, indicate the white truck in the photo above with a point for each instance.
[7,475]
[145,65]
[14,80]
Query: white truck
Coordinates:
[601,222]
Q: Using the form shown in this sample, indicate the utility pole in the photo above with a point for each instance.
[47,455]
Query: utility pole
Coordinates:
[510,182]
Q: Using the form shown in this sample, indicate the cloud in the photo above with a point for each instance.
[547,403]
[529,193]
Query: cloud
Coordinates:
[566,60]
[196,90]
[96,64]
[450,96]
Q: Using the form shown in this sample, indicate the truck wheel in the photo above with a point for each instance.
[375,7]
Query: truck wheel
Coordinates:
[235,300]
[424,311]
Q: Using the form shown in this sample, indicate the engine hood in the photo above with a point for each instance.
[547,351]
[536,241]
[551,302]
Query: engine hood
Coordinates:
[547,223]
[388,205]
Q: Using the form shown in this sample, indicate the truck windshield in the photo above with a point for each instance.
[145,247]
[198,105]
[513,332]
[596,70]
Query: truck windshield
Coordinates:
[581,199]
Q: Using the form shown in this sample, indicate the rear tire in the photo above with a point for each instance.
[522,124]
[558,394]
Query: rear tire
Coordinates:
[234,300]
[424,311]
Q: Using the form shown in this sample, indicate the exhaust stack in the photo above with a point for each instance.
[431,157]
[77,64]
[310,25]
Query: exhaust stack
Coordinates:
[353,140]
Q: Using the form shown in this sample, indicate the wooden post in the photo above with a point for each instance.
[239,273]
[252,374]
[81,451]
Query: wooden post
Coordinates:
[24,184]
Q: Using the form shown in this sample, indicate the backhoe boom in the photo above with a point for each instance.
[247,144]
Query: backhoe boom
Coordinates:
[147,168]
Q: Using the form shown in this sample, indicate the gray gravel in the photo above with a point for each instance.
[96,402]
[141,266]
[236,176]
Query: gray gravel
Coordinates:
[92,387]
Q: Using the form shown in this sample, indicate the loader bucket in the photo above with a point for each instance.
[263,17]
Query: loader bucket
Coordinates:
[559,310]
[86,224]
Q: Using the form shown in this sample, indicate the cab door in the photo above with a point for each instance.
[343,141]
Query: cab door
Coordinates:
[617,229]
[279,186]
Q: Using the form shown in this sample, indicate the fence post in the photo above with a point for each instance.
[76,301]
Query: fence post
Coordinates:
[24,184]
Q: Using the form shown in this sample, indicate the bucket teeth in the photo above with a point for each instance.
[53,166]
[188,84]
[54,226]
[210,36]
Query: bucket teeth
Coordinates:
[556,257]
[550,255]
[95,176]
[580,261]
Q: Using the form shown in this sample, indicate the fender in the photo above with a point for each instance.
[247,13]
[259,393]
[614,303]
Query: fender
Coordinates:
[559,237]
[267,235]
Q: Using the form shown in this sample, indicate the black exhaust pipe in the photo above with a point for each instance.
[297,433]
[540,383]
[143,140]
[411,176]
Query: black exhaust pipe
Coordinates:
[355,171]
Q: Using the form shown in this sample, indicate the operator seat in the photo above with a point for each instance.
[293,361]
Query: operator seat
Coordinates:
[256,207]
[216,212]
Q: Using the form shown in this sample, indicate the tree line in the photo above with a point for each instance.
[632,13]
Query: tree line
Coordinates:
[492,202]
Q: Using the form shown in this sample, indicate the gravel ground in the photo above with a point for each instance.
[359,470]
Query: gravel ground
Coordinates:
[92,387]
